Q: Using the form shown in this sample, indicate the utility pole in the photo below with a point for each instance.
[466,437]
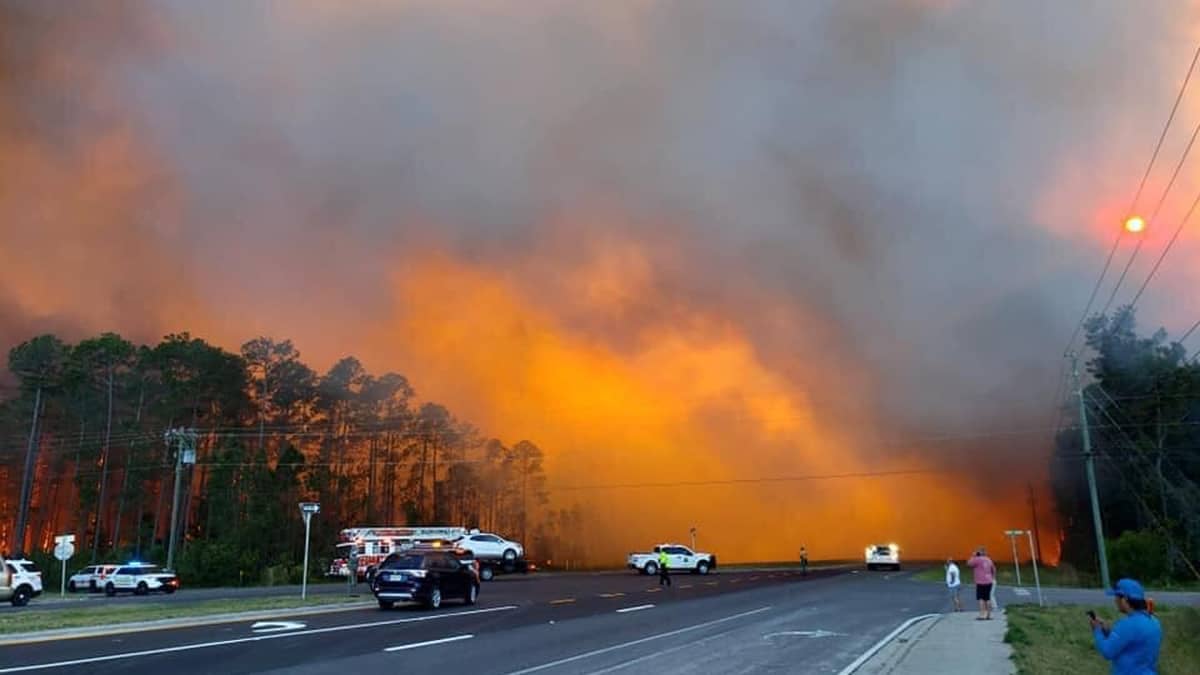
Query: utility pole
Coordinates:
[1036,539]
[185,454]
[1090,461]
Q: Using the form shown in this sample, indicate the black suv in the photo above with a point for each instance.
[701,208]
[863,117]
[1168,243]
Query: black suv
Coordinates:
[427,576]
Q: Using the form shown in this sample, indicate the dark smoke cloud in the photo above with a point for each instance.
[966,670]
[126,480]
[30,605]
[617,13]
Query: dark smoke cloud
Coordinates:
[878,165]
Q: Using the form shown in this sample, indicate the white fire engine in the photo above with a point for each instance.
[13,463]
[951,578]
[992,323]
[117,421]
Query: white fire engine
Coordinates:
[372,544]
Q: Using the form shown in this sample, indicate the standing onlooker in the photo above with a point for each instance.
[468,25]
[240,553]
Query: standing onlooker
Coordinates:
[954,583]
[664,572]
[985,576]
[1132,643]
[803,561]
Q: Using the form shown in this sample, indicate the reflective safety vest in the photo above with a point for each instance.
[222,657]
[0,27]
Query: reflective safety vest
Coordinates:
[662,558]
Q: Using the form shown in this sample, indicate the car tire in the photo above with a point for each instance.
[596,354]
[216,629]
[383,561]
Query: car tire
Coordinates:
[435,598]
[142,589]
[651,569]
[109,589]
[21,596]
[702,567]
[487,574]
[386,604]
[472,595]
[71,586]
[510,555]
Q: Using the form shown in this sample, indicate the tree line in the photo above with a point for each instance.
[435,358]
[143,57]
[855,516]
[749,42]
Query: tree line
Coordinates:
[1142,402]
[83,451]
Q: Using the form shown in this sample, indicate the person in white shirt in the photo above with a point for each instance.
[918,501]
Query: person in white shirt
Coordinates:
[954,582]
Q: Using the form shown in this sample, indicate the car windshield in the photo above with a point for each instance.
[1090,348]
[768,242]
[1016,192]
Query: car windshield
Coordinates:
[30,567]
[403,562]
[883,549]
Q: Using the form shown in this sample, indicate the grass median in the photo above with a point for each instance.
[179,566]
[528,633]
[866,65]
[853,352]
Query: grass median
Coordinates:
[32,620]
[1057,641]
[1062,576]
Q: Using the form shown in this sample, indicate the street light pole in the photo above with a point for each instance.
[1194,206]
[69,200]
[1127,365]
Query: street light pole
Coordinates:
[307,509]
[1090,460]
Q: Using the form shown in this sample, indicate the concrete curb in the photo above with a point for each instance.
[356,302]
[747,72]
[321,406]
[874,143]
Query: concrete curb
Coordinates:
[181,622]
[866,656]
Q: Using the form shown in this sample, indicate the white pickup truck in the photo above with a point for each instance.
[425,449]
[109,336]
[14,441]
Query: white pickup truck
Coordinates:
[680,558]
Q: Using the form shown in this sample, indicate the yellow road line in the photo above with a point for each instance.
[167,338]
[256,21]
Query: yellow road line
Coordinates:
[686,586]
[712,583]
[562,601]
[611,595]
[654,590]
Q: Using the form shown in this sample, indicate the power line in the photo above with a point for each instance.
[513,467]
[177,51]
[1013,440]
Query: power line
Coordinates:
[1162,136]
[1166,250]
[1154,216]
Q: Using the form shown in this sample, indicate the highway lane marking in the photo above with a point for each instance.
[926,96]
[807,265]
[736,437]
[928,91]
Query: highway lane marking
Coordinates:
[276,626]
[634,609]
[654,590]
[611,595]
[711,583]
[686,586]
[753,578]
[633,643]
[428,643]
[562,601]
[256,638]
[664,652]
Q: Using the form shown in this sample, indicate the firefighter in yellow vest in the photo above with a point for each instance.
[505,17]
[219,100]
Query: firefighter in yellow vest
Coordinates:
[664,575]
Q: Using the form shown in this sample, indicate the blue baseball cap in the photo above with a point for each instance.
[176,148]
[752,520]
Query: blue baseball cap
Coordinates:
[1127,588]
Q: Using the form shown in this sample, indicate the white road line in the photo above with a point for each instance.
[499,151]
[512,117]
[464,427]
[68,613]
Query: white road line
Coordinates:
[623,645]
[866,656]
[633,609]
[664,652]
[428,643]
[256,638]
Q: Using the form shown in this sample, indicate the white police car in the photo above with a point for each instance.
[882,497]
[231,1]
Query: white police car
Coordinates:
[140,579]
[883,555]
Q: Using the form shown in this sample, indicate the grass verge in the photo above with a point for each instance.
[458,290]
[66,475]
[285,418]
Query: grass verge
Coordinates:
[107,614]
[1062,576]
[1056,640]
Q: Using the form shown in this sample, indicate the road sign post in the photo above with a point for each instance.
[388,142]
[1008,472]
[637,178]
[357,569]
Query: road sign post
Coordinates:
[1012,538]
[307,509]
[1033,555]
[64,548]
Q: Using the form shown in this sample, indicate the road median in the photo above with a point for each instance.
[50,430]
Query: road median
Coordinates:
[100,620]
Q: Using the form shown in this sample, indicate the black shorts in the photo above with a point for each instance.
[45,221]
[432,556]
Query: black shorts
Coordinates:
[983,591]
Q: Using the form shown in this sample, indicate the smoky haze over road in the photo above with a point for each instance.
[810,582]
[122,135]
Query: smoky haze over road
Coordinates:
[681,241]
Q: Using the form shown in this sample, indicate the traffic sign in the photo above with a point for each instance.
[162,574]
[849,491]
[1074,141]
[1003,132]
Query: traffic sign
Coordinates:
[63,550]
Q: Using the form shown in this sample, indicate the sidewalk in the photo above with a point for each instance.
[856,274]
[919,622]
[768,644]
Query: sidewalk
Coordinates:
[948,643]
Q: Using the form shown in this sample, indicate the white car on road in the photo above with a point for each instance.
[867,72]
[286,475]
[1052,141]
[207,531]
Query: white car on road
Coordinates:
[679,558]
[141,579]
[487,546]
[90,578]
[883,555]
[20,580]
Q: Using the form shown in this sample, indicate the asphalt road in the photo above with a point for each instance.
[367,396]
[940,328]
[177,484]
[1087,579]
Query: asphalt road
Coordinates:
[728,623]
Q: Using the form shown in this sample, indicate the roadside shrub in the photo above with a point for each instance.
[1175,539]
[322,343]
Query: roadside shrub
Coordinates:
[1141,555]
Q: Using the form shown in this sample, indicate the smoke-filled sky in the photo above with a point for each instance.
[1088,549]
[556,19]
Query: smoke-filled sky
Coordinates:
[669,241]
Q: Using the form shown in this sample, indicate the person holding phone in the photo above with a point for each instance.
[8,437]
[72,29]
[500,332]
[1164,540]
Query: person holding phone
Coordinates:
[1133,642]
[984,571]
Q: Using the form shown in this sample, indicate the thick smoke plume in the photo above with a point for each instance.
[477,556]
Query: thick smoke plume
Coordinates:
[671,241]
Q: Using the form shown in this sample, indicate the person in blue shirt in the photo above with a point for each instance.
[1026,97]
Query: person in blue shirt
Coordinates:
[1133,642]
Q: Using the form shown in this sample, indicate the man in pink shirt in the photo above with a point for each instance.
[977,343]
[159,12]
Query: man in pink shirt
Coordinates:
[985,575]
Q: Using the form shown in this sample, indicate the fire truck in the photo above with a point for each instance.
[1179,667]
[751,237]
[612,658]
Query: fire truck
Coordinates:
[370,545]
